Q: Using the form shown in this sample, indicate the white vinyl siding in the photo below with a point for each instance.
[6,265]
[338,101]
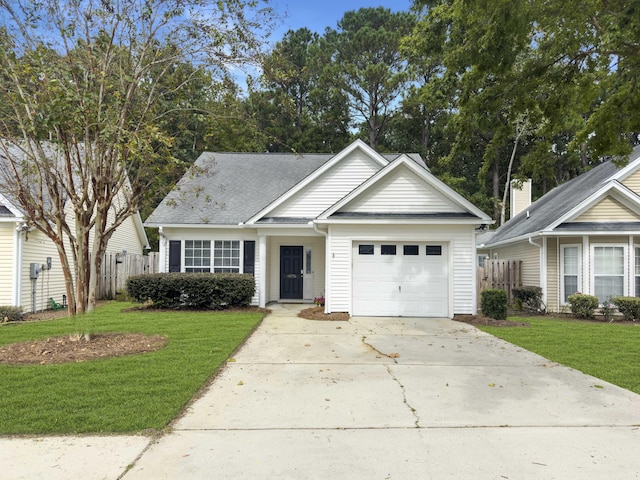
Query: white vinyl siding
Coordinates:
[330,187]
[7,232]
[401,192]
[570,271]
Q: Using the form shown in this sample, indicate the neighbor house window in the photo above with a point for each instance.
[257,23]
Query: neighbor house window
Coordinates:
[570,271]
[608,271]
[226,256]
[197,256]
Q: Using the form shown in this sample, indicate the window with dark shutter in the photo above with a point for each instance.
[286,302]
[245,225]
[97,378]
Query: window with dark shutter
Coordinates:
[175,247]
[249,257]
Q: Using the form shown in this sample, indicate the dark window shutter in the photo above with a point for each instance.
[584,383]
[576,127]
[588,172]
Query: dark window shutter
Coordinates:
[175,248]
[249,261]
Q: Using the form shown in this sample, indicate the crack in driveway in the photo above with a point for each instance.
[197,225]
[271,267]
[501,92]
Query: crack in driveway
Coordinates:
[394,356]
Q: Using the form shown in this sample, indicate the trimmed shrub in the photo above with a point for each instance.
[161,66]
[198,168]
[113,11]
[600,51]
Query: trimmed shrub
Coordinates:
[629,307]
[529,297]
[209,291]
[493,303]
[11,314]
[583,306]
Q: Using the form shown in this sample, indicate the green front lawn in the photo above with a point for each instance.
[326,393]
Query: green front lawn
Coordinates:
[125,394]
[607,351]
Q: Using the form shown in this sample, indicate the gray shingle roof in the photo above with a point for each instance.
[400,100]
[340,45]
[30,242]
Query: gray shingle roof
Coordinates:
[556,203]
[229,188]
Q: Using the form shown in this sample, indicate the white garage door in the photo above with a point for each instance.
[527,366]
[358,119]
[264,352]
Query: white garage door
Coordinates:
[400,279]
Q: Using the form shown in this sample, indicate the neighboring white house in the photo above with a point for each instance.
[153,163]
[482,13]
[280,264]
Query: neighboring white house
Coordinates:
[374,234]
[23,249]
[582,236]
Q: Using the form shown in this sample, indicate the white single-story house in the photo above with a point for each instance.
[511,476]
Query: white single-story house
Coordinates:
[374,234]
[582,236]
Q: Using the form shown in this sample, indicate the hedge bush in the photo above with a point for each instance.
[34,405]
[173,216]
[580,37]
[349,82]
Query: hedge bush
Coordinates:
[10,314]
[493,303]
[529,297]
[583,306]
[629,307]
[209,291]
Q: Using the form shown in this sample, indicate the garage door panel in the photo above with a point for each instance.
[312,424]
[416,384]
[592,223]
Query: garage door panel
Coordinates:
[400,285]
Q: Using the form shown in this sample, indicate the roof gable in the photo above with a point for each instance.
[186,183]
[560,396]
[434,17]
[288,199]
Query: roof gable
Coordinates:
[404,188]
[566,202]
[326,186]
[611,192]
[10,208]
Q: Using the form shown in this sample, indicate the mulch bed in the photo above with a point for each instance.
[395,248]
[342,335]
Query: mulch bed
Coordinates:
[70,348]
[317,313]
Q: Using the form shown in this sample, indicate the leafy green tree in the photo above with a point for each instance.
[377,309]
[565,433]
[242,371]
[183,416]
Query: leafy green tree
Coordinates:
[80,82]
[366,66]
[295,110]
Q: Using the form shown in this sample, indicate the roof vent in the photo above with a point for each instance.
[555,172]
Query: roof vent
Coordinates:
[527,213]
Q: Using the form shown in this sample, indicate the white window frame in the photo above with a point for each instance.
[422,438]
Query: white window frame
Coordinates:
[203,266]
[226,262]
[625,264]
[562,272]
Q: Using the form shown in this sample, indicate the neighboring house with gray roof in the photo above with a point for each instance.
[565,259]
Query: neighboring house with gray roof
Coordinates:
[582,236]
[374,234]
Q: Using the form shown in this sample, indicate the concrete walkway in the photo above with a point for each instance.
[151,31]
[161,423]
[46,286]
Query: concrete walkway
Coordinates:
[372,398]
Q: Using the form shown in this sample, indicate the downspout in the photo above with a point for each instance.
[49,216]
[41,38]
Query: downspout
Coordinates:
[17,263]
[543,268]
[327,265]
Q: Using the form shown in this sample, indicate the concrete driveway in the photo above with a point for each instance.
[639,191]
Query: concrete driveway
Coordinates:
[392,398]
[372,398]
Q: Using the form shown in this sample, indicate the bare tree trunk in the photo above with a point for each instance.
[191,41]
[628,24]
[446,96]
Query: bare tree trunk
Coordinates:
[507,184]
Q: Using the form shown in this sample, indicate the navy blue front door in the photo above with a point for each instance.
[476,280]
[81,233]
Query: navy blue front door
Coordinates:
[291,272]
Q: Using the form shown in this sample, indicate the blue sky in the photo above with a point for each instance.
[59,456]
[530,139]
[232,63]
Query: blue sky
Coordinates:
[316,15]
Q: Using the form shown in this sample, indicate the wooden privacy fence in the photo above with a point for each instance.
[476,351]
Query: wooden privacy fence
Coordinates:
[500,274]
[118,267]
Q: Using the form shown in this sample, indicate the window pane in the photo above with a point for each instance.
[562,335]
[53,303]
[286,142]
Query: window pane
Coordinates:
[570,260]
[570,286]
[607,287]
[388,249]
[226,256]
[365,249]
[434,250]
[411,250]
